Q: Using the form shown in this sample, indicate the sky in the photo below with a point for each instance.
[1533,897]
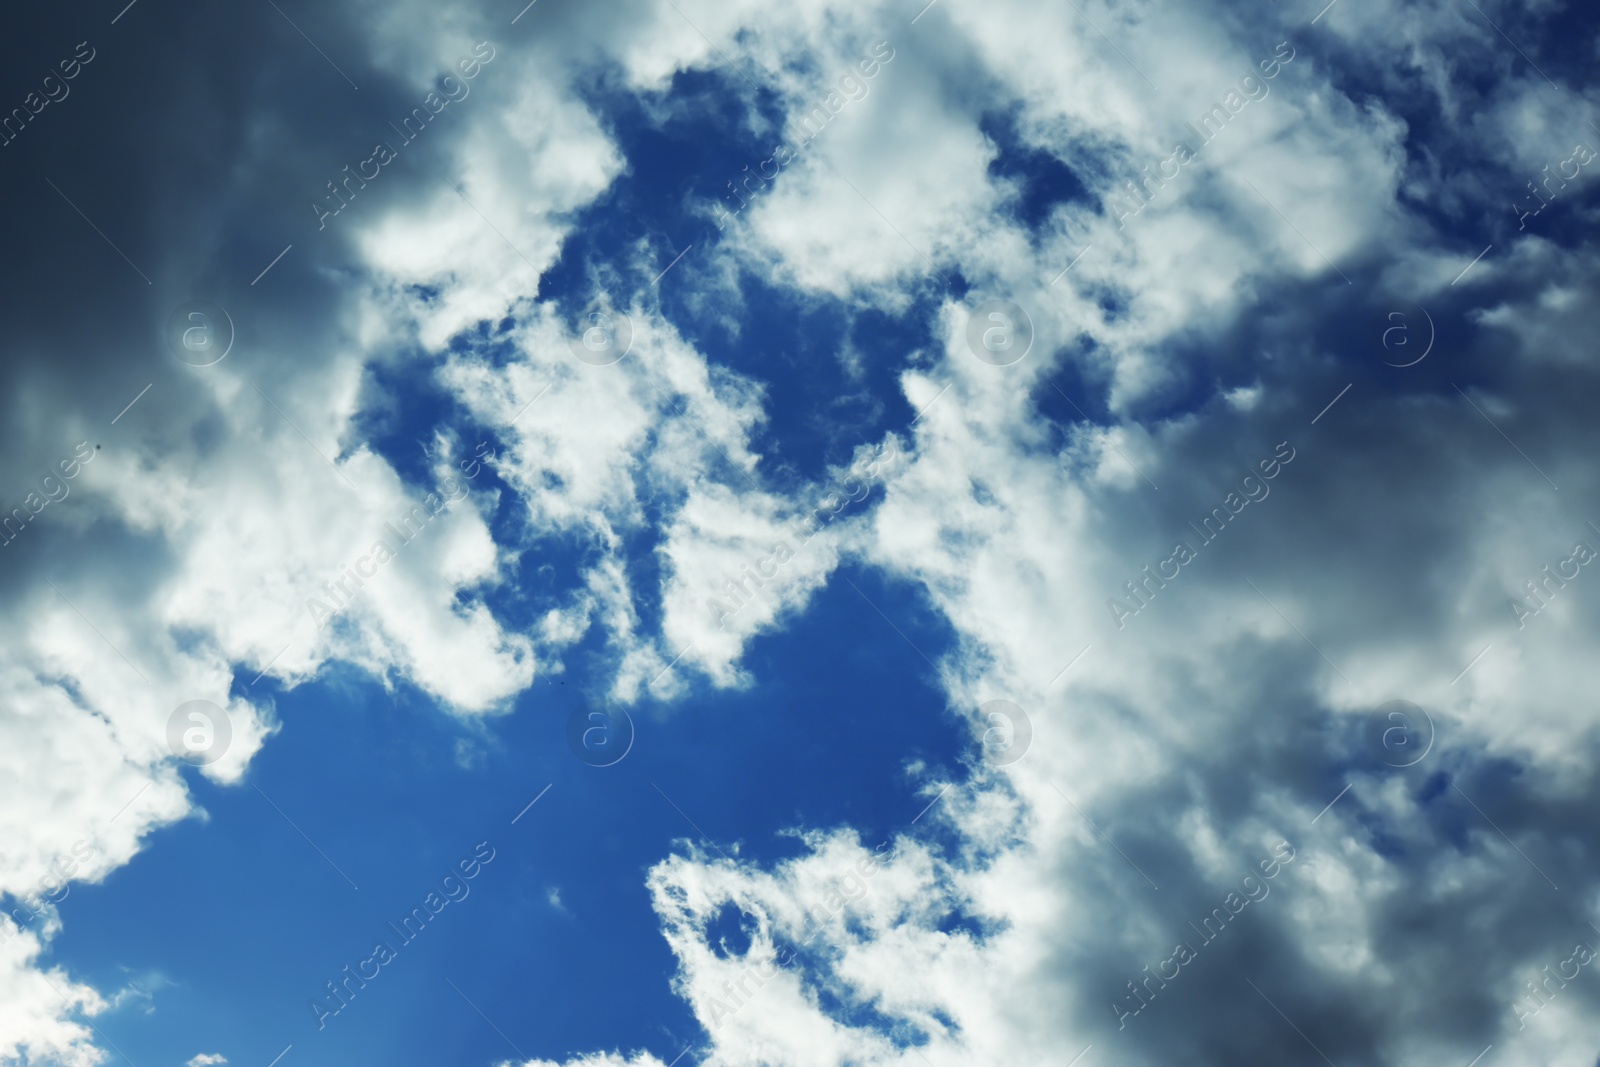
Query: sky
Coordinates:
[696,532]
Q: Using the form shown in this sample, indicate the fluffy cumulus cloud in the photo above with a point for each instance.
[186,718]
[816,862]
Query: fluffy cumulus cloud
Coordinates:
[1200,534]
[1197,709]
[233,527]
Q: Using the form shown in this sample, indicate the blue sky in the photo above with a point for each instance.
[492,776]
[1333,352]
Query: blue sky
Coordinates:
[818,748]
[1008,544]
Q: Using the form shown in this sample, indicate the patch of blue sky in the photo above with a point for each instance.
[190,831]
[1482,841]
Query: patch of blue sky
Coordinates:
[390,792]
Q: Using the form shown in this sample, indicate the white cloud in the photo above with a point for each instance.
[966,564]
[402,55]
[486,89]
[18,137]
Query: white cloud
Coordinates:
[186,555]
[1184,736]
[1211,728]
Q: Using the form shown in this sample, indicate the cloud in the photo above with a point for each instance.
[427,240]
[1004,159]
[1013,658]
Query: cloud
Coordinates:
[1219,724]
[215,505]
[1183,746]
